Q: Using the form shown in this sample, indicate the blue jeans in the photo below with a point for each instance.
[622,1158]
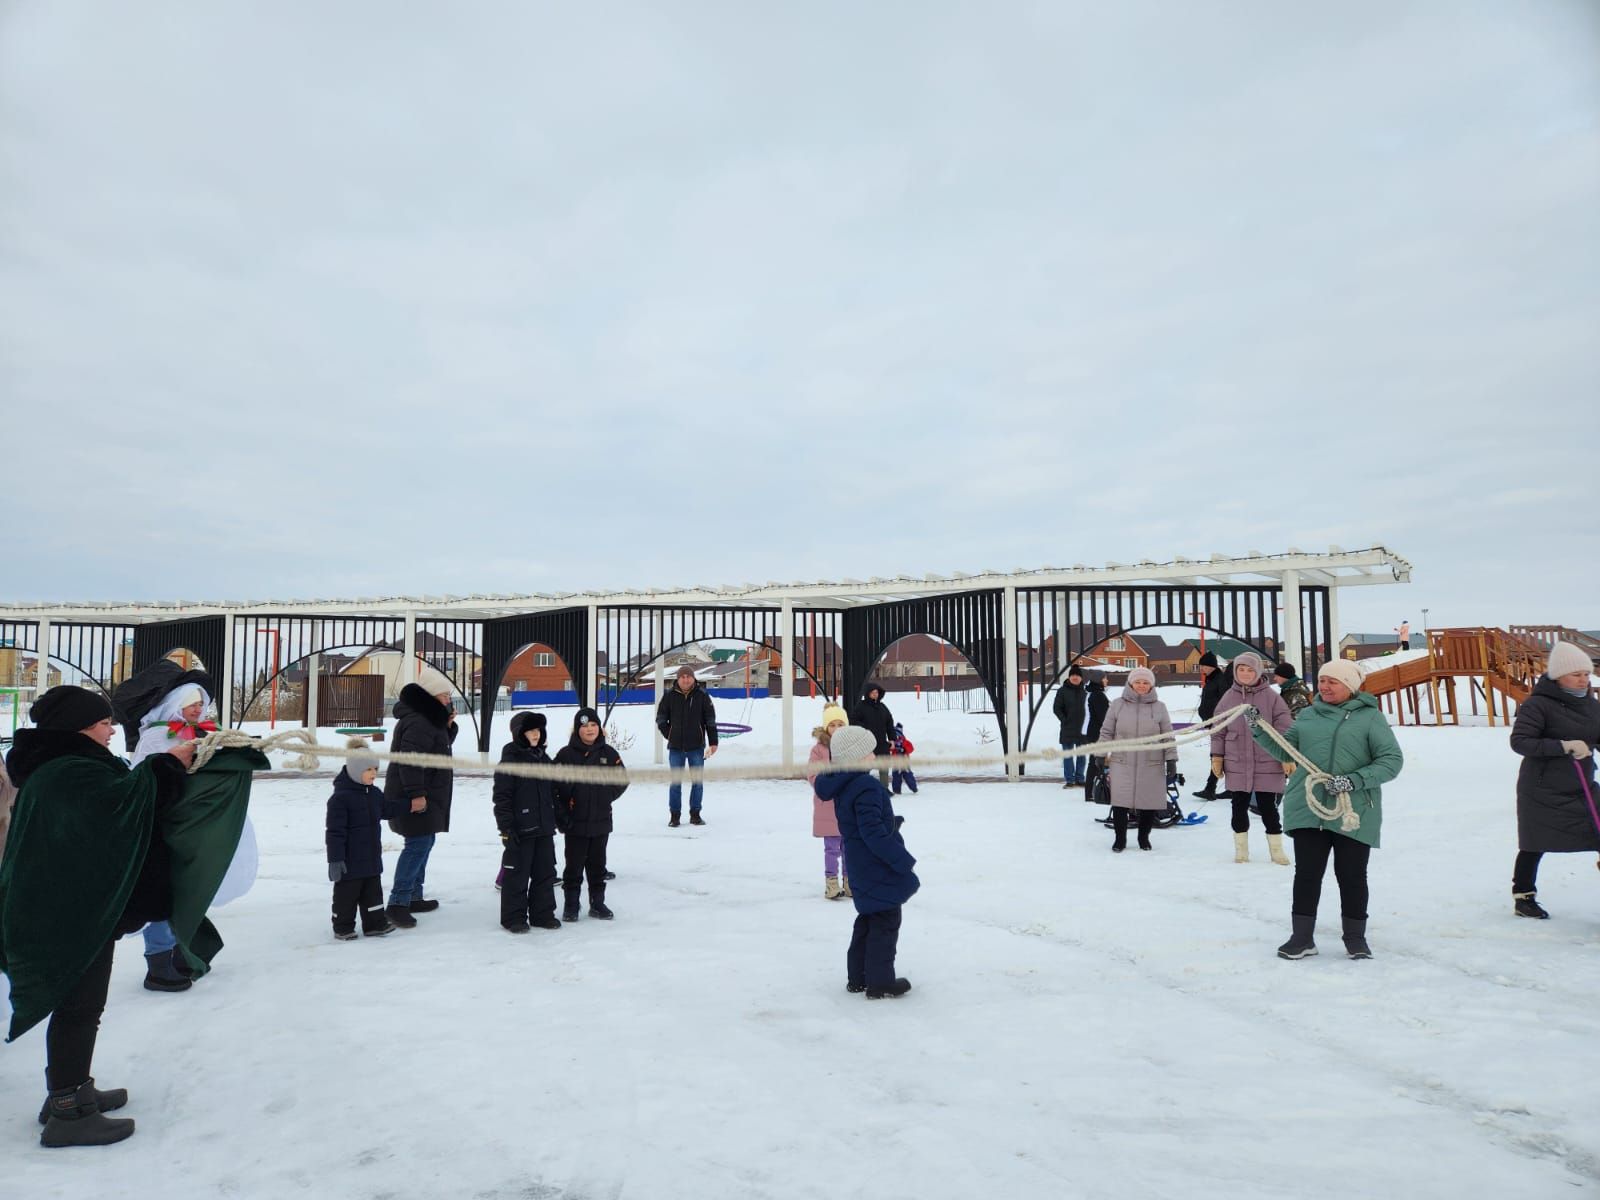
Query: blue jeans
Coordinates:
[159,938]
[685,758]
[1074,769]
[410,869]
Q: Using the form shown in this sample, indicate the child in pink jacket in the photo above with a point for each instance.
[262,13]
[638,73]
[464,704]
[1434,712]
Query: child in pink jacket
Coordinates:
[823,822]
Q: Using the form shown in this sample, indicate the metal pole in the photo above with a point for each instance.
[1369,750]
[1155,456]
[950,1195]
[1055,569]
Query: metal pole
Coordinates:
[1013,726]
[786,649]
[594,657]
[225,701]
[661,683]
[408,664]
[41,685]
[1292,651]
[1331,633]
[313,666]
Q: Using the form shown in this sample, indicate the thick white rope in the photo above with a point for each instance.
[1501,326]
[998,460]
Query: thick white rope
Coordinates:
[1341,810]
[310,751]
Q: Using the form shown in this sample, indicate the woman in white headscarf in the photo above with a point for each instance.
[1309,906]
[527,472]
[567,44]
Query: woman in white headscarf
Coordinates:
[182,716]
[1139,778]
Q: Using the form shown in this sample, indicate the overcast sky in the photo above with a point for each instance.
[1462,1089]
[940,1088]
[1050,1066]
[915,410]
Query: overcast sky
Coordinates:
[310,299]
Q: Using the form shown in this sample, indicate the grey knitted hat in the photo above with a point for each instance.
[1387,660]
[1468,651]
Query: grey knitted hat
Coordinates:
[852,743]
[361,758]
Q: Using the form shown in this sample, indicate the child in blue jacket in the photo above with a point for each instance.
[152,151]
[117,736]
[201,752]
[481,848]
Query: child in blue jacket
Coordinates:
[355,846]
[877,862]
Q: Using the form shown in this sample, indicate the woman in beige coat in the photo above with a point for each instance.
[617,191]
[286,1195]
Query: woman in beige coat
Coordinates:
[1139,778]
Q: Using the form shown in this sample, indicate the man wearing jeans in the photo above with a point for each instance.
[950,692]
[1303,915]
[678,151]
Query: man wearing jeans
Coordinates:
[688,720]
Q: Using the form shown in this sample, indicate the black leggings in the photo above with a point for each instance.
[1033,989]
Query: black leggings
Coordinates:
[1311,850]
[1146,818]
[1267,802]
[69,1040]
[1525,875]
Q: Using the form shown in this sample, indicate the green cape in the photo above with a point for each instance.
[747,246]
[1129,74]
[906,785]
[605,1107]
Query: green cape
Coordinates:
[81,829]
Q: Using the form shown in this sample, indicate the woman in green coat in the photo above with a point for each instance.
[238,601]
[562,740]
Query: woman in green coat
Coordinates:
[1344,733]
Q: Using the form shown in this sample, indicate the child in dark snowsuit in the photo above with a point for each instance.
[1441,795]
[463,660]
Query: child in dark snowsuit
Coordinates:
[586,809]
[355,846]
[878,863]
[900,744]
[525,811]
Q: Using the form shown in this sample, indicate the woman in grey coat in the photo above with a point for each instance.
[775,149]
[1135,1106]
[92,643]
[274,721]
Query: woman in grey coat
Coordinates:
[1139,778]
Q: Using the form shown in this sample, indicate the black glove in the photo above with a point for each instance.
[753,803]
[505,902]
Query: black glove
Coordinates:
[335,872]
[1252,715]
[508,837]
[1340,784]
[1172,772]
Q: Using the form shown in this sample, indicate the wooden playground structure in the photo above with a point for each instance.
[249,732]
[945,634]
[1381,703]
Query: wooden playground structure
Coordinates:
[1498,666]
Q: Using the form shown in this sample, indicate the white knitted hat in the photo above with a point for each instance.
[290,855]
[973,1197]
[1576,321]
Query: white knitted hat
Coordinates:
[1345,671]
[432,681]
[852,742]
[1565,658]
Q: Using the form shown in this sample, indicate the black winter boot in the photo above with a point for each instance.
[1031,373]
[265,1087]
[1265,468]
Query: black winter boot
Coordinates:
[162,976]
[672,821]
[695,818]
[1302,942]
[108,1101]
[1355,938]
[73,1118]
[1526,906]
[424,906]
[569,910]
[1119,822]
[597,908]
[892,991]
[400,916]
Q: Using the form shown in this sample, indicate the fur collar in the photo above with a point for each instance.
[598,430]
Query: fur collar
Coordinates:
[415,700]
[36,747]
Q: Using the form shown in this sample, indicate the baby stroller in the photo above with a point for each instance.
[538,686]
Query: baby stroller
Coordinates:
[1100,793]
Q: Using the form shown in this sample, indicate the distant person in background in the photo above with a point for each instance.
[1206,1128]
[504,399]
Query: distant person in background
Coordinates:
[873,715]
[1071,709]
[1214,681]
[1403,634]
[1556,732]
[1253,778]
[687,718]
[1292,688]
[900,746]
[417,799]
[824,821]
[1139,778]
[1098,704]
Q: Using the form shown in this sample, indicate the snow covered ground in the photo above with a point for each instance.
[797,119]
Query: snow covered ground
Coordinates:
[1083,1024]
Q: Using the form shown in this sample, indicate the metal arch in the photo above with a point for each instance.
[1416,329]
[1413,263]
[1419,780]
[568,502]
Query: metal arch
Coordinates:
[629,634]
[972,622]
[564,630]
[1102,613]
[91,648]
[638,676]
[305,635]
[205,637]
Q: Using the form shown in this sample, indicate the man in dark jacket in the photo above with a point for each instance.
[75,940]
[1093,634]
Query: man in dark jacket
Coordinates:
[525,812]
[1214,684]
[877,862]
[82,816]
[417,799]
[873,715]
[1071,709]
[587,808]
[1556,732]
[1292,688]
[688,720]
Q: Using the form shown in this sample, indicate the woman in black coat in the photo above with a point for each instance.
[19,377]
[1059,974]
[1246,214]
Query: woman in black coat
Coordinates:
[1556,731]
[526,814]
[586,809]
[417,799]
